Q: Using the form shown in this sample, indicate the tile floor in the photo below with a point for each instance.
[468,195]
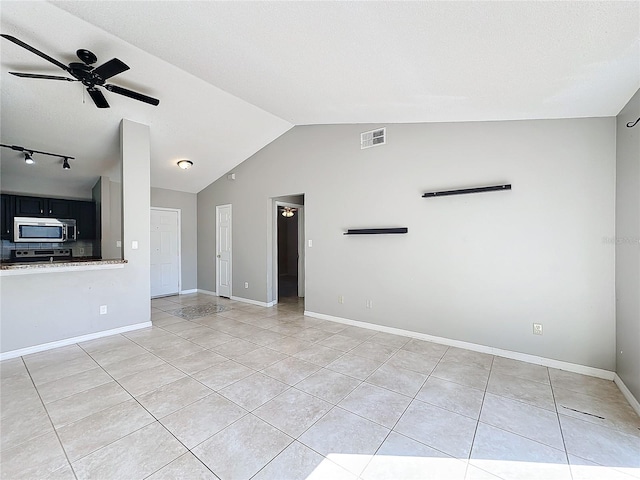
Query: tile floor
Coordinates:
[261,393]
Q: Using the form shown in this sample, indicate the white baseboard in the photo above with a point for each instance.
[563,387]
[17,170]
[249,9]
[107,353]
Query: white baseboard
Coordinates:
[524,357]
[206,292]
[70,341]
[252,302]
[187,292]
[627,394]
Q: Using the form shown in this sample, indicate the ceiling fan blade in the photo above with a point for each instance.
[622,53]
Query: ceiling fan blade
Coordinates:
[44,77]
[98,97]
[111,68]
[132,94]
[34,50]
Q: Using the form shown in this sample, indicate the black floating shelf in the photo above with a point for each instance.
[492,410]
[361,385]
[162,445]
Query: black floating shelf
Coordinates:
[376,231]
[462,191]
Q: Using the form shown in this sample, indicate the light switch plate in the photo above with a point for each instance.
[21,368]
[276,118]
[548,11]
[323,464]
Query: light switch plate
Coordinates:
[134,245]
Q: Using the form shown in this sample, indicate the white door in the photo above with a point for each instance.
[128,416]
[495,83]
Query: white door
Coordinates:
[165,252]
[223,250]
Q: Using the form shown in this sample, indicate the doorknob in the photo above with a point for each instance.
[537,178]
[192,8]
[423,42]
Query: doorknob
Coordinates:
[218,256]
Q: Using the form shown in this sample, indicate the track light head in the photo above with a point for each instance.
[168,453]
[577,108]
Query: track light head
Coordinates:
[65,164]
[28,159]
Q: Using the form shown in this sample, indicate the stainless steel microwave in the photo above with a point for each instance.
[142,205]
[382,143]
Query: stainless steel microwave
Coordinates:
[43,230]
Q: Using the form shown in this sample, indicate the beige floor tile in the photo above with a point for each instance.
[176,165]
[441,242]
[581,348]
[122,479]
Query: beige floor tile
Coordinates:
[526,420]
[133,365]
[181,326]
[354,366]
[16,395]
[319,355]
[29,422]
[260,358]
[242,449]
[293,411]
[376,404]
[58,370]
[177,349]
[511,456]
[138,455]
[601,445]
[291,370]
[435,351]
[332,327]
[412,361]
[374,351]
[104,344]
[186,467]
[526,391]
[253,391]
[289,345]
[469,375]
[400,457]
[79,382]
[223,374]
[100,429]
[345,438]
[451,396]
[443,430]
[13,367]
[150,379]
[340,342]
[235,348]
[73,408]
[117,354]
[398,380]
[213,339]
[313,335]
[198,361]
[173,396]
[328,385]
[298,462]
[389,339]
[64,473]
[468,357]
[35,459]
[264,337]
[195,423]
[528,371]
[358,332]
[584,384]
[49,358]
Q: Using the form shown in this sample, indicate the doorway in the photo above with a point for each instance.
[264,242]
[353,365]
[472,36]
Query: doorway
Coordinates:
[165,252]
[288,264]
[223,250]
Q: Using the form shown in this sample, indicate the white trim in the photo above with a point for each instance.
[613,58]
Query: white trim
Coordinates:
[253,302]
[186,292]
[60,268]
[217,259]
[524,357]
[179,211]
[70,341]
[627,393]
[206,292]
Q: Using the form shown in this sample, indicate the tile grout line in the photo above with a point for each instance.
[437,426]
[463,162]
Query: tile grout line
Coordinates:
[564,443]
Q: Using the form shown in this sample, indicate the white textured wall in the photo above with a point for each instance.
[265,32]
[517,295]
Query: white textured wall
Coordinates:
[478,268]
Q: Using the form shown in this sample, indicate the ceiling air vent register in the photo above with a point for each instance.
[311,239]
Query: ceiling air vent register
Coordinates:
[373,138]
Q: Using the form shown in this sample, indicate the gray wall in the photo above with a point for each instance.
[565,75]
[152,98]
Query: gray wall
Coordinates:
[187,204]
[627,247]
[478,268]
[47,307]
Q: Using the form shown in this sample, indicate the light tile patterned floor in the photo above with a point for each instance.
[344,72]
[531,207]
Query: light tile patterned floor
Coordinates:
[267,393]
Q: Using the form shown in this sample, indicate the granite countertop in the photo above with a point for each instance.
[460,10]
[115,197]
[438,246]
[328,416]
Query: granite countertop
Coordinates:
[58,263]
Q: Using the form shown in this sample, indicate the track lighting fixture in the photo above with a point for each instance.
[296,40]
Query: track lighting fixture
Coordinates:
[28,155]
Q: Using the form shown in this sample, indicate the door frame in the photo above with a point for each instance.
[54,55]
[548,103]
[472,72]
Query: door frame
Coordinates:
[301,252]
[217,259]
[179,246]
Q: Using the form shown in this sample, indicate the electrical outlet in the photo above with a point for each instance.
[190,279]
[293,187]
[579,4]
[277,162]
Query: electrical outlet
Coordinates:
[537,329]
[118,244]
[246,284]
[311,243]
[369,303]
[81,251]
[103,309]
[340,298]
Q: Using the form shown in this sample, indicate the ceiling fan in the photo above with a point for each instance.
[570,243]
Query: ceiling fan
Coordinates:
[91,77]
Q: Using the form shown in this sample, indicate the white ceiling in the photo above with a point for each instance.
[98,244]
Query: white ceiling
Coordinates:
[289,63]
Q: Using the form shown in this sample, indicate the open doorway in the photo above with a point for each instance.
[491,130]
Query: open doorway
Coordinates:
[288,264]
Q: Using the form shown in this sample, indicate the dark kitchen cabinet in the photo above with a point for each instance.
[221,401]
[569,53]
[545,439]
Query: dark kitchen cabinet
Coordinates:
[85,215]
[59,208]
[6,213]
[31,206]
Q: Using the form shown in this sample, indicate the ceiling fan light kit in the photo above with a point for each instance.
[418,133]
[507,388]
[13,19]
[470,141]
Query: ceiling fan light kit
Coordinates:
[91,77]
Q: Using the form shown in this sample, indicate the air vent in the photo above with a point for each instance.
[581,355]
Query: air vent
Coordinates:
[373,138]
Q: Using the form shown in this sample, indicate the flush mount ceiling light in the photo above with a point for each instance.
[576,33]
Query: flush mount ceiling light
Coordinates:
[288,212]
[185,164]
[28,155]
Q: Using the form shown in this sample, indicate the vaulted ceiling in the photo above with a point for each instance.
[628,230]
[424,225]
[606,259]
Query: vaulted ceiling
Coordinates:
[233,76]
